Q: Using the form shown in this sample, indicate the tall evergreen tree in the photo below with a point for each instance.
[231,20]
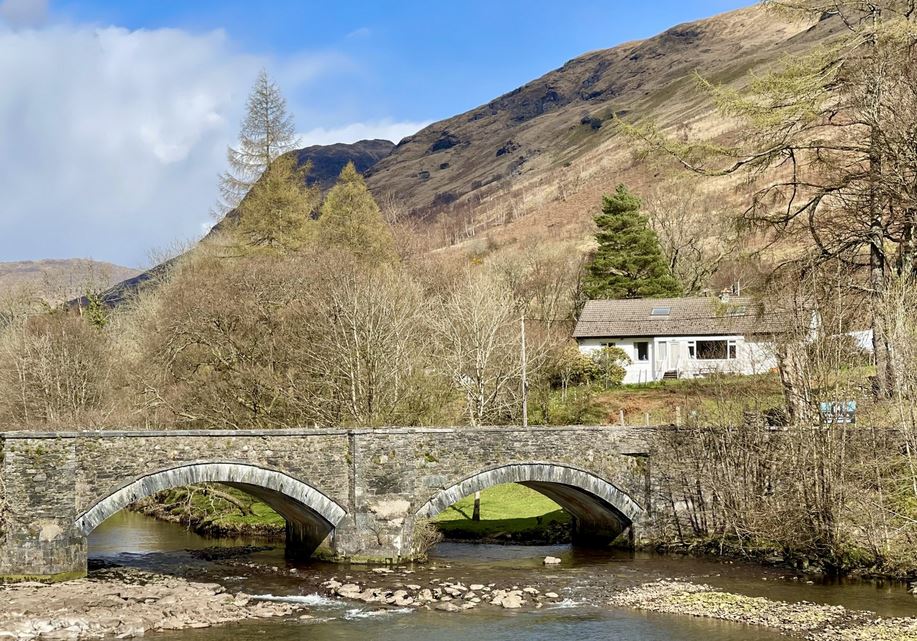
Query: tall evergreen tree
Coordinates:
[628,262]
[351,220]
[267,133]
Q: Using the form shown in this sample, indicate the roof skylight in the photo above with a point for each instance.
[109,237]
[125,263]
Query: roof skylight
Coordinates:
[661,311]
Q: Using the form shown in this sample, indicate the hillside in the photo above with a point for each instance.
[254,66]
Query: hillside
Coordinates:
[549,147]
[59,280]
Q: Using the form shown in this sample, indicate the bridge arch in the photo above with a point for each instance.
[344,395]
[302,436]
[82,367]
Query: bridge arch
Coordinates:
[602,510]
[309,513]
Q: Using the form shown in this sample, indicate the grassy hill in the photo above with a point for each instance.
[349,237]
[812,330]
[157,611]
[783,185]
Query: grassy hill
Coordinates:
[60,280]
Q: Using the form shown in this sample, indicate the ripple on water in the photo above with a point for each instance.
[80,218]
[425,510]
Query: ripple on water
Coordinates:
[314,600]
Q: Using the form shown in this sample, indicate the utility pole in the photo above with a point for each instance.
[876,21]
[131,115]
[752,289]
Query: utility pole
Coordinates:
[525,381]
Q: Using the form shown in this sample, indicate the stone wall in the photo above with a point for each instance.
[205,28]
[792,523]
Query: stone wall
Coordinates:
[364,486]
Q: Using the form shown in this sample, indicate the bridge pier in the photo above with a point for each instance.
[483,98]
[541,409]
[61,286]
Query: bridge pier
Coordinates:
[43,556]
[38,540]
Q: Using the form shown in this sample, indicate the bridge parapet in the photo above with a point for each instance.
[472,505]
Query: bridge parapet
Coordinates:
[364,487]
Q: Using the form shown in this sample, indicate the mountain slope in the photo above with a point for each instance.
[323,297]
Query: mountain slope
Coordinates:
[328,160]
[562,117]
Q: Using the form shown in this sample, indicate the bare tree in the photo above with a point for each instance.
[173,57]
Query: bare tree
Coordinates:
[477,333]
[267,133]
[695,235]
[361,343]
[55,370]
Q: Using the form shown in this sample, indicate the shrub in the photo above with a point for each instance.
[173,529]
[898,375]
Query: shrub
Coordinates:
[610,363]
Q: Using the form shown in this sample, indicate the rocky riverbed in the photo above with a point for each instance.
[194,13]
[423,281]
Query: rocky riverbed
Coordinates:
[123,603]
[812,621]
[438,594]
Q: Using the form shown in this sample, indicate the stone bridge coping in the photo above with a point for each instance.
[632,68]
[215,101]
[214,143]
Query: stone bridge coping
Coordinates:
[257,433]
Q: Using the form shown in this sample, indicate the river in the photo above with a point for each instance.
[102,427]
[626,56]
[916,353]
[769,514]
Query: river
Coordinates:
[584,580]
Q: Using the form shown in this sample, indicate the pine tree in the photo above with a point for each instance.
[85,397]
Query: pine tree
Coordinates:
[351,220]
[628,262]
[276,214]
[267,133]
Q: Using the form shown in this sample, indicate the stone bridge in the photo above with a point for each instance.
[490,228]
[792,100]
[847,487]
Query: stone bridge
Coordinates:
[360,491]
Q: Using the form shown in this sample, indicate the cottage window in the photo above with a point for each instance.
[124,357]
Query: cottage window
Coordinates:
[607,344]
[716,350]
[643,350]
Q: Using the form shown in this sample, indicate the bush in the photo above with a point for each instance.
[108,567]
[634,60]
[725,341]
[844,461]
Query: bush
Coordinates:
[610,363]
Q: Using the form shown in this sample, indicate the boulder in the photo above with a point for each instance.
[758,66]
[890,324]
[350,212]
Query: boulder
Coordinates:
[551,560]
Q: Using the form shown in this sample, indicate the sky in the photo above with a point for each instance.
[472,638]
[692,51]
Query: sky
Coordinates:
[115,115]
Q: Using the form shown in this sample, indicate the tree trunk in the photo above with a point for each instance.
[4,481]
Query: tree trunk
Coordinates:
[796,394]
[244,508]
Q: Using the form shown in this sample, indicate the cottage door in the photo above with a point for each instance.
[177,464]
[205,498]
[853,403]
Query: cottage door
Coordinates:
[661,364]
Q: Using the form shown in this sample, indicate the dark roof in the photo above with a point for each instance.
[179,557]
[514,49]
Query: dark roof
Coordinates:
[701,316]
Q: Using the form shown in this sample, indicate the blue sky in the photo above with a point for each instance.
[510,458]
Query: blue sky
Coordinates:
[126,107]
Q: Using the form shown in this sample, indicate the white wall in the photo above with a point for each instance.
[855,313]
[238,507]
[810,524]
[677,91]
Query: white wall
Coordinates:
[637,371]
[752,356]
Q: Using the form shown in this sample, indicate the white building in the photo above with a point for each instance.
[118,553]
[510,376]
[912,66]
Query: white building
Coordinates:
[682,337]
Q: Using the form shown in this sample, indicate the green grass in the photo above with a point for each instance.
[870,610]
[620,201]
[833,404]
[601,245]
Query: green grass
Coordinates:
[509,511]
[214,511]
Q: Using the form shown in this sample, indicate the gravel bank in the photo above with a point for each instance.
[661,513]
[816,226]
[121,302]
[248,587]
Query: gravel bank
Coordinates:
[812,621]
[122,603]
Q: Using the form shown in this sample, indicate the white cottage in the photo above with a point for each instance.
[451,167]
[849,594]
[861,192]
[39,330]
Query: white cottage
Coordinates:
[682,337]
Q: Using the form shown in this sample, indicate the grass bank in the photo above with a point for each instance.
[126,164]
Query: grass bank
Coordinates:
[216,511]
[510,513]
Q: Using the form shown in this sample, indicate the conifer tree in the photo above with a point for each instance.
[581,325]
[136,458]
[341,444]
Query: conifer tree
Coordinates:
[350,219]
[267,133]
[276,214]
[628,262]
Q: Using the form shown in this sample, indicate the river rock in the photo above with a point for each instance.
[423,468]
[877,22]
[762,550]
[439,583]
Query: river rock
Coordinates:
[349,591]
[512,600]
[551,595]
[425,595]
[551,560]
[448,607]
[476,587]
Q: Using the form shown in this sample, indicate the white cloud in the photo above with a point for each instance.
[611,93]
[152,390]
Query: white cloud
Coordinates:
[386,129]
[24,13]
[113,139]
